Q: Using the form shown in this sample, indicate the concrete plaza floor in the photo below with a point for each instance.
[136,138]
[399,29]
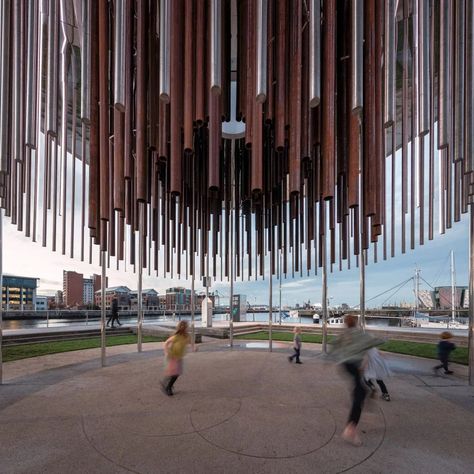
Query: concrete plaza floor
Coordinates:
[241,410]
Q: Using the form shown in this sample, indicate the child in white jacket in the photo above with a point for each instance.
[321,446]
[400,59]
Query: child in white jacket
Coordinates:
[376,369]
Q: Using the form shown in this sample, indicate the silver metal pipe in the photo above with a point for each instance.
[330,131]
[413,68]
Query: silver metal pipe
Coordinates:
[141,222]
[390,56]
[232,256]
[324,293]
[262,40]
[471,297]
[444,106]
[85,61]
[165,46]
[469,102]
[5,60]
[216,46]
[103,256]
[270,305]
[315,53]
[424,66]
[52,70]
[17,91]
[31,75]
[1,299]
[459,83]
[357,53]
[362,288]
[119,55]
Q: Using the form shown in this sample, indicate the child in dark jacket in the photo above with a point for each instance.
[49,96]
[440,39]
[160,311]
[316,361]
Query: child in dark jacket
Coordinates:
[445,347]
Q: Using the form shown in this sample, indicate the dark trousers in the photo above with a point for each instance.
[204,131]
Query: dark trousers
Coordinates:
[113,317]
[359,392]
[296,354]
[170,381]
[444,364]
[380,383]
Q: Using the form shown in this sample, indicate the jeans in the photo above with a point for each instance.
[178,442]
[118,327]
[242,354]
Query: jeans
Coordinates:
[444,364]
[359,392]
[296,354]
[380,383]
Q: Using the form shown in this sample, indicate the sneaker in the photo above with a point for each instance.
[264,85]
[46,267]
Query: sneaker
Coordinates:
[448,372]
[298,362]
[386,397]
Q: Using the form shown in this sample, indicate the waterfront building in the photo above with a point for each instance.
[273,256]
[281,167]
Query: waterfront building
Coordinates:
[150,300]
[58,299]
[19,293]
[79,291]
[41,303]
[122,293]
[88,291]
[442,296]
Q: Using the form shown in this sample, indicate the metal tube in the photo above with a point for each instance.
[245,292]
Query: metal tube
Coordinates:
[231,256]
[444,94]
[216,46]
[119,55]
[165,46]
[31,75]
[261,86]
[103,257]
[471,297]
[315,53]
[5,58]
[389,69]
[270,305]
[362,288]
[1,295]
[459,83]
[141,222]
[52,70]
[324,292]
[423,66]
[85,61]
[357,53]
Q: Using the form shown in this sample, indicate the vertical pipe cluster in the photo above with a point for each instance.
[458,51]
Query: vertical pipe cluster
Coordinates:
[338,98]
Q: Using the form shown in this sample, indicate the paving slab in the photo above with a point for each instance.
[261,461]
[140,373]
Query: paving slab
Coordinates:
[244,410]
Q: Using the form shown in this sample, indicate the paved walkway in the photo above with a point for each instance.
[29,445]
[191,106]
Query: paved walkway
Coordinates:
[242,410]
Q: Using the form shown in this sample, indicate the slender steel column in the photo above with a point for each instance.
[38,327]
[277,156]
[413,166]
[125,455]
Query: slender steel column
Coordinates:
[103,257]
[362,288]
[279,275]
[193,332]
[141,222]
[232,257]
[270,306]
[1,295]
[471,297]
[324,291]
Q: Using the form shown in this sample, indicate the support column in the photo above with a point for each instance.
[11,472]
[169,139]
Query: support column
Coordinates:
[232,258]
[362,288]
[103,258]
[471,296]
[1,295]
[141,220]
[270,303]
[324,285]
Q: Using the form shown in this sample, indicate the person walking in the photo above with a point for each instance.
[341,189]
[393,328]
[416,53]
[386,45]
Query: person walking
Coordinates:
[445,347]
[349,350]
[175,349]
[296,345]
[114,314]
[376,369]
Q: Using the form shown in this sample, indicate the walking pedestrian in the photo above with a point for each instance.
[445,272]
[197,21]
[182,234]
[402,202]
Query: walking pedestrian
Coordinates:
[349,350]
[175,349]
[296,345]
[114,314]
[445,347]
[376,369]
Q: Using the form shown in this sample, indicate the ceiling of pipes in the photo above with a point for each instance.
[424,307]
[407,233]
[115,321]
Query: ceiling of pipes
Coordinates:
[347,127]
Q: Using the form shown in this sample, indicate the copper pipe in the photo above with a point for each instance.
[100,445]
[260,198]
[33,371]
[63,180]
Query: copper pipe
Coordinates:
[189,71]
[281,74]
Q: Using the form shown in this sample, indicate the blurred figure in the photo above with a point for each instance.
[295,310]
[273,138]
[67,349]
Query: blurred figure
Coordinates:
[376,369]
[114,314]
[175,349]
[445,347]
[296,345]
[349,350]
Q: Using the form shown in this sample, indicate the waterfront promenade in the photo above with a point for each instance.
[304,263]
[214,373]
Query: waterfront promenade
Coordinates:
[241,410]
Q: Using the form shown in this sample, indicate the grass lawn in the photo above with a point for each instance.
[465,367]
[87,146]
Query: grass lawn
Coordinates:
[11,353]
[419,349]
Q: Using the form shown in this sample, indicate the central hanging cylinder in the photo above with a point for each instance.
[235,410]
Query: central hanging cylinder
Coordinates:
[389,69]
[262,13]
[165,51]
[216,46]
[357,54]
[119,55]
[315,54]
